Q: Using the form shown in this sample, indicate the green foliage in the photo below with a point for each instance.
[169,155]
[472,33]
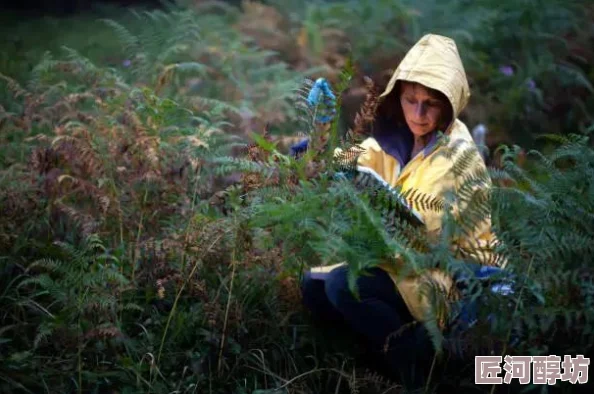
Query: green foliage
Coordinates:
[554,195]
[545,219]
[547,52]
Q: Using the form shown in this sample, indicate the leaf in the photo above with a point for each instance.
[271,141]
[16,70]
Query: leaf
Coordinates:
[263,143]
[20,356]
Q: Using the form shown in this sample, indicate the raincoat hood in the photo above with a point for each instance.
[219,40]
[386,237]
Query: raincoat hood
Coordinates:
[434,62]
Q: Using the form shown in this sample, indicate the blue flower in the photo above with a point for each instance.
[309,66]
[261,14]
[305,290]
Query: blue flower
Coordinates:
[508,71]
[531,84]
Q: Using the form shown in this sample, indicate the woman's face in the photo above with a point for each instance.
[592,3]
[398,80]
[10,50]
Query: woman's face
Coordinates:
[422,108]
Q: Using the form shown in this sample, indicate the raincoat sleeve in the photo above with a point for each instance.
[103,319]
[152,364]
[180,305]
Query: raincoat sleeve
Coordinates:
[453,179]
[373,157]
[369,157]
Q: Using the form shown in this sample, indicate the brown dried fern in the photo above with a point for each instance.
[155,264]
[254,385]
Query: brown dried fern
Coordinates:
[366,115]
[83,221]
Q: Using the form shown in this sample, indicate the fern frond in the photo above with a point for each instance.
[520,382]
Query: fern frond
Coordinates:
[465,160]
[346,160]
[44,331]
[14,87]
[424,202]
[306,113]
[129,41]
[215,106]
[366,115]
[44,281]
[227,165]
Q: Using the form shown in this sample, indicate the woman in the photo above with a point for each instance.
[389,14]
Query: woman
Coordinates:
[424,96]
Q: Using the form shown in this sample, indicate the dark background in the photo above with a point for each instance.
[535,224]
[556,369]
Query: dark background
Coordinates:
[67,7]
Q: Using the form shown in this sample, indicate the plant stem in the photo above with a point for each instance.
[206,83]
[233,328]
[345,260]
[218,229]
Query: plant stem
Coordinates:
[233,266]
[430,373]
[508,336]
[188,226]
[138,232]
[178,295]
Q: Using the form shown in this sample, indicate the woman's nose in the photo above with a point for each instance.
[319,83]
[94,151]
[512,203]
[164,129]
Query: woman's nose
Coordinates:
[420,110]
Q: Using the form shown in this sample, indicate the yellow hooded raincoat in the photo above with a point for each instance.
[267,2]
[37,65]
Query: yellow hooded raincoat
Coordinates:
[433,62]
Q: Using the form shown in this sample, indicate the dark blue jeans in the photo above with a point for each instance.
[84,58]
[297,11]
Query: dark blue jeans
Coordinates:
[378,317]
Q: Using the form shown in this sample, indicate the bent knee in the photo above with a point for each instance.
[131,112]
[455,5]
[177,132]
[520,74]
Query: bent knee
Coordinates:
[311,290]
[337,286]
